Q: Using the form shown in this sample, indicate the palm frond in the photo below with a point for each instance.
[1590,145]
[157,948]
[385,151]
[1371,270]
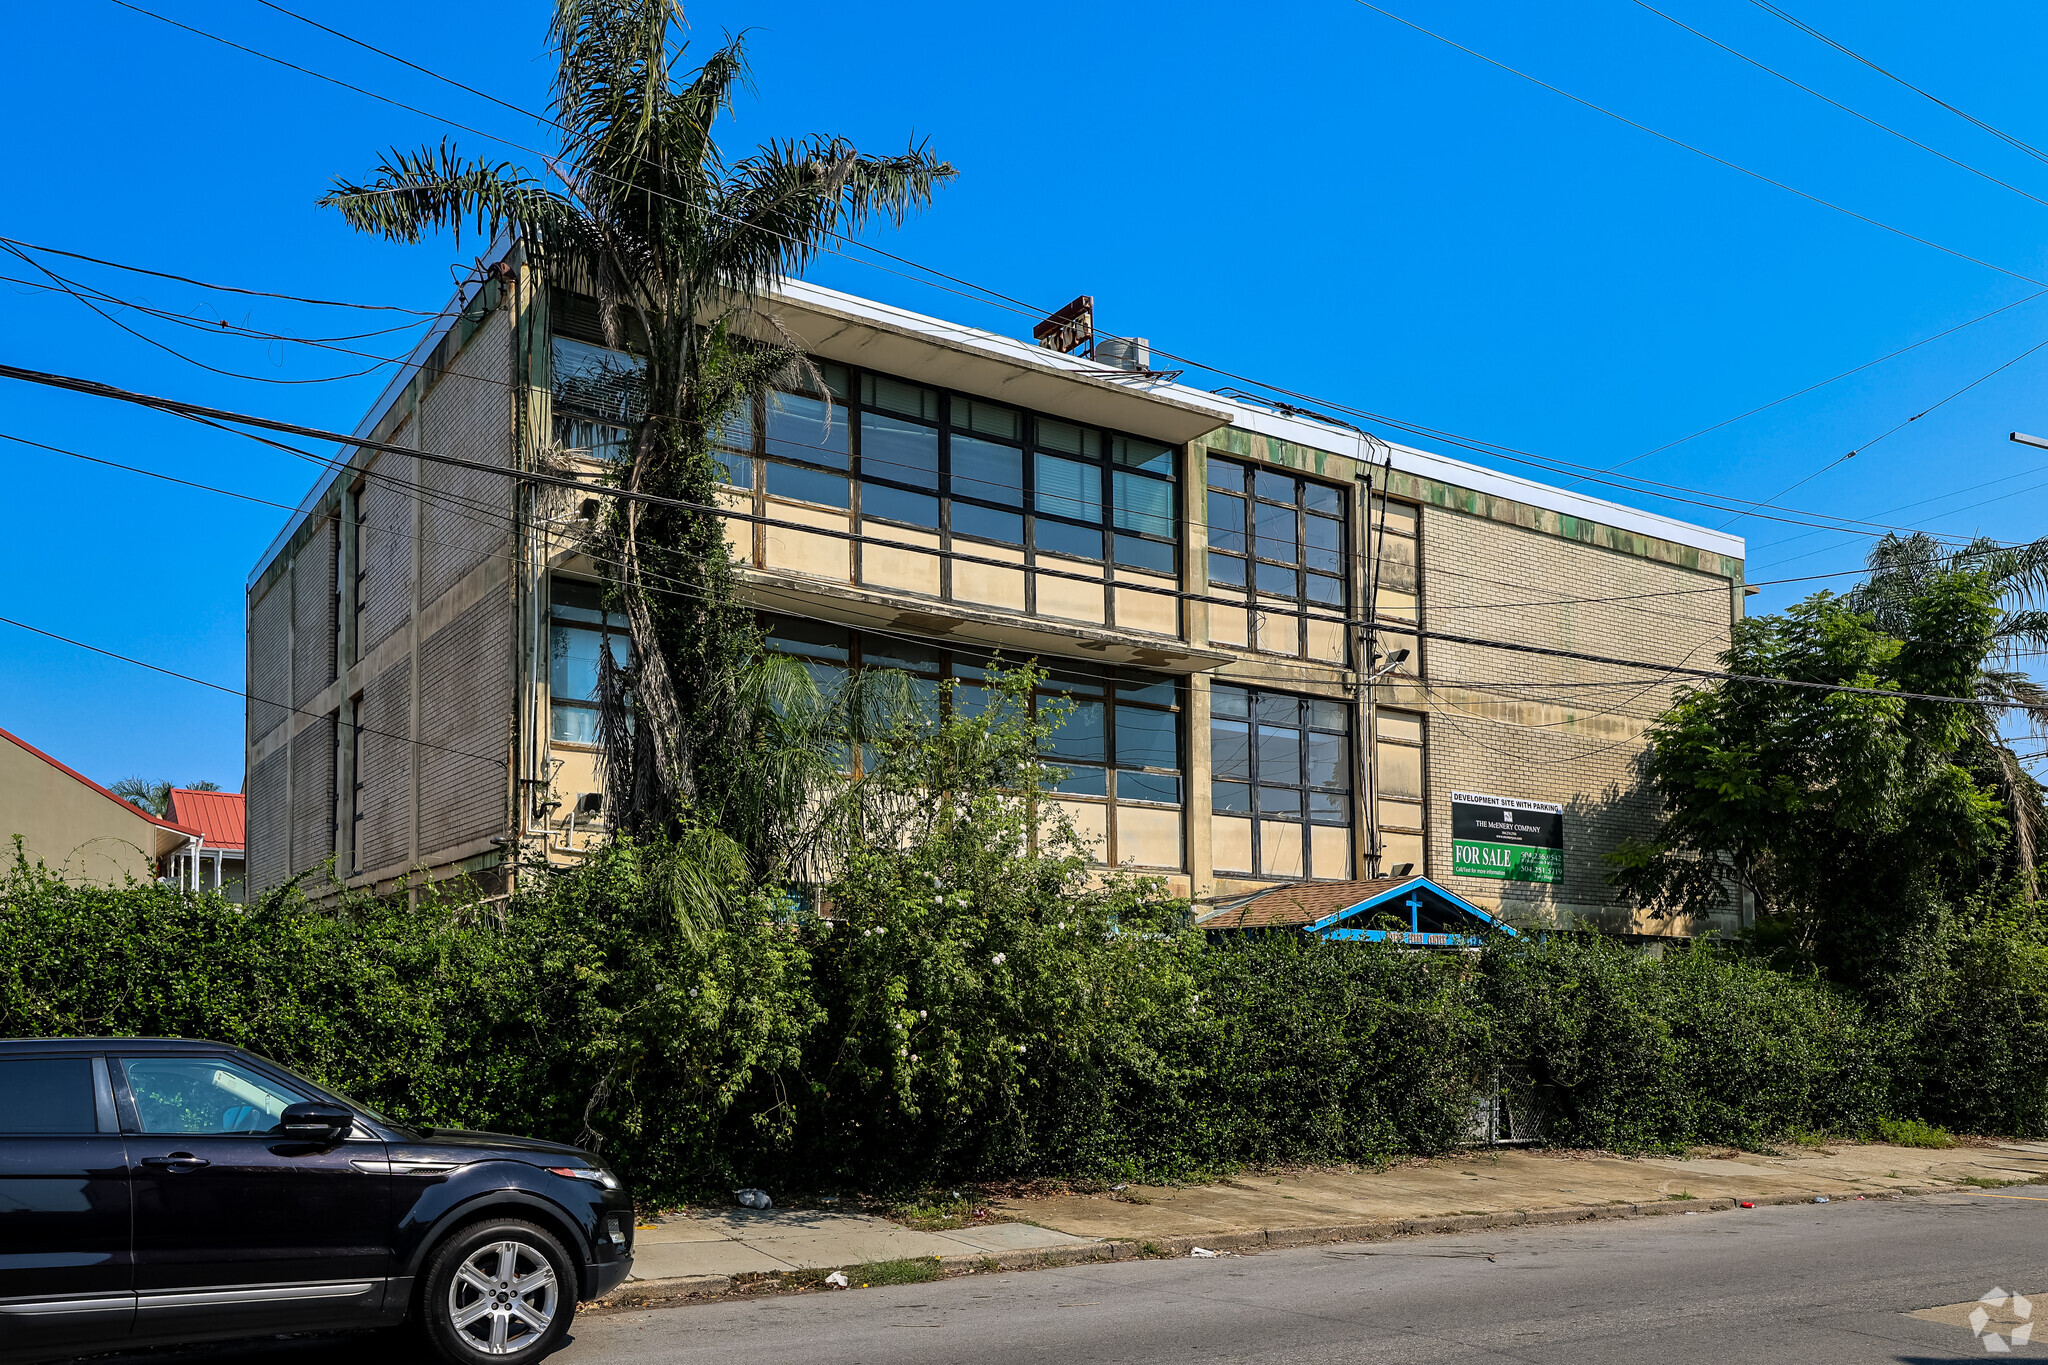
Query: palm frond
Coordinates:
[435,187]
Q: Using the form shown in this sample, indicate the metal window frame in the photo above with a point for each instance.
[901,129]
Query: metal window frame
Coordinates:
[1300,604]
[1298,784]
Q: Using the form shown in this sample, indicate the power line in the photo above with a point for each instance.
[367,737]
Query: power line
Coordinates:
[235,692]
[222,288]
[1812,32]
[1963,165]
[1500,452]
[1696,151]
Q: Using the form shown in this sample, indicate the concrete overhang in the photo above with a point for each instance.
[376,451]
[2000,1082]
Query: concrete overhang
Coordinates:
[857,331]
[1015,637]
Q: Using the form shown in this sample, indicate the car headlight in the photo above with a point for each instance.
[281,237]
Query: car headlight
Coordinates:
[596,1175]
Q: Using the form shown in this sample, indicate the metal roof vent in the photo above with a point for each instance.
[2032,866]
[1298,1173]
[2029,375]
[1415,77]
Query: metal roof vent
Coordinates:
[1124,353]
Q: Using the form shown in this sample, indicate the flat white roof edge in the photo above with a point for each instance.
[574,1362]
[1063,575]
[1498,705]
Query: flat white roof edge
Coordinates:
[1481,479]
[375,413]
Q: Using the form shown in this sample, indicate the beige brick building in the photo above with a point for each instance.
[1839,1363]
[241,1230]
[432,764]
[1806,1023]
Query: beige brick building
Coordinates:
[1196,571]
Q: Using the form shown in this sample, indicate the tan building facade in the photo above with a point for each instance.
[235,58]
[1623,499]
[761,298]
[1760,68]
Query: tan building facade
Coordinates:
[1202,577]
[74,826]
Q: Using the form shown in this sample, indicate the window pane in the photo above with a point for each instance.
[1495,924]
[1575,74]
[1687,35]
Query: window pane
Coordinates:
[1226,474]
[1067,488]
[598,440]
[1072,439]
[881,652]
[1329,715]
[1066,684]
[969,520]
[919,509]
[597,381]
[739,469]
[1275,487]
[1229,701]
[1230,797]
[1082,735]
[985,470]
[1226,522]
[1279,754]
[1328,591]
[1080,541]
[1328,765]
[808,639]
[1144,554]
[903,451]
[1329,808]
[807,485]
[806,428]
[1320,497]
[736,428]
[971,414]
[911,400]
[1143,504]
[1142,455]
[1226,569]
[1083,782]
[1278,709]
[1280,803]
[1230,752]
[1276,532]
[1325,534]
[1279,581]
[203,1095]
[573,657]
[1147,739]
[47,1095]
[1158,691]
[1148,787]
[572,724]
[572,599]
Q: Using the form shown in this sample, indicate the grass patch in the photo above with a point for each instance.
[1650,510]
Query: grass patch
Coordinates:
[908,1271]
[934,1211]
[1913,1133]
[1989,1183]
[1149,1249]
[1682,1194]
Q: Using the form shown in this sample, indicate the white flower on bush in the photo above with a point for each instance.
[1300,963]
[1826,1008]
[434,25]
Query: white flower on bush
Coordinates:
[1020,1047]
[902,1052]
[913,1056]
[921,1014]
[881,929]
[1000,958]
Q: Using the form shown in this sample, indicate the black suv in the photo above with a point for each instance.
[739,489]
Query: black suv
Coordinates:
[160,1190]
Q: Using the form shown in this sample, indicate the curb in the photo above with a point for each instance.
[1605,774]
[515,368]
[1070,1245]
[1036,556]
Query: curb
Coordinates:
[675,1293]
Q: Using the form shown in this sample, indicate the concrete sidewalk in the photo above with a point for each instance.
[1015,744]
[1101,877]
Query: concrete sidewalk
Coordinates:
[698,1253]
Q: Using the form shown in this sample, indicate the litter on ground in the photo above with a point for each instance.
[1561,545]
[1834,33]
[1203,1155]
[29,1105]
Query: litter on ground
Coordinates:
[837,1279]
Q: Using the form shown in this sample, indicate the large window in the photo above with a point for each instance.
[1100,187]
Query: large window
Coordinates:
[579,631]
[1277,541]
[597,395]
[935,471]
[1281,783]
[1119,748]
[1398,772]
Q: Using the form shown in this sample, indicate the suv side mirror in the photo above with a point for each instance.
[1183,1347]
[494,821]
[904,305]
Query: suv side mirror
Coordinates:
[316,1121]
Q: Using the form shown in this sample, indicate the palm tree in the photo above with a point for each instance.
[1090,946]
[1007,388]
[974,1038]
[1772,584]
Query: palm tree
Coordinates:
[1900,569]
[681,248]
[154,797]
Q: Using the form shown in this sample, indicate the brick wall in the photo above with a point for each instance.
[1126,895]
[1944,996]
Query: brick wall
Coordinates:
[1548,729]
[385,776]
[387,544]
[465,725]
[312,796]
[269,843]
[313,624]
[269,659]
[468,412]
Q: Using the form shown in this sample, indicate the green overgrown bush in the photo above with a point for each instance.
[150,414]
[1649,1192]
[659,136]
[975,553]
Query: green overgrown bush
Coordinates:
[770,1049]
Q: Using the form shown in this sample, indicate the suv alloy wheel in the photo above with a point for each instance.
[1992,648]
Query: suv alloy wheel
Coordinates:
[499,1290]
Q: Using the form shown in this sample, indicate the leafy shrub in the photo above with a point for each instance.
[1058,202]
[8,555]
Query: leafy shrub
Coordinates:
[1911,1133]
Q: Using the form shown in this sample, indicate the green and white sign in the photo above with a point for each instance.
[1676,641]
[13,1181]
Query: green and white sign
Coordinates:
[1506,838]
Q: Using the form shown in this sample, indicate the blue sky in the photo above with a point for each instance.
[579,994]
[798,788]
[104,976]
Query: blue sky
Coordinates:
[1310,194]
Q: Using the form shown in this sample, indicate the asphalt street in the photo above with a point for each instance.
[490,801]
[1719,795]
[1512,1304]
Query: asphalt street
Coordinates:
[1812,1283]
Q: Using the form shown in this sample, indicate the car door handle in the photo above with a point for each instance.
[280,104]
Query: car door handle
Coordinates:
[177,1161]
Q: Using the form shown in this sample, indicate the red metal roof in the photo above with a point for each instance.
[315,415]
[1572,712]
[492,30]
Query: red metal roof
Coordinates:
[217,815]
[78,776]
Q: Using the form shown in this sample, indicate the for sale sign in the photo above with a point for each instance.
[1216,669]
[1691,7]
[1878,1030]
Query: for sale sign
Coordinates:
[1506,838]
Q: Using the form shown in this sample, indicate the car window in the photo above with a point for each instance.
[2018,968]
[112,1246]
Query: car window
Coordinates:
[47,1095]
[203,1095]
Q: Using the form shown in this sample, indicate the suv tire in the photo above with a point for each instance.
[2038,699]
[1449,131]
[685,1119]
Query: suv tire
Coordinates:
[501,1290]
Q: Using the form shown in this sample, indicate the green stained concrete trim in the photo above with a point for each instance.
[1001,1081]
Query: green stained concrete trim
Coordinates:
[1272,450]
